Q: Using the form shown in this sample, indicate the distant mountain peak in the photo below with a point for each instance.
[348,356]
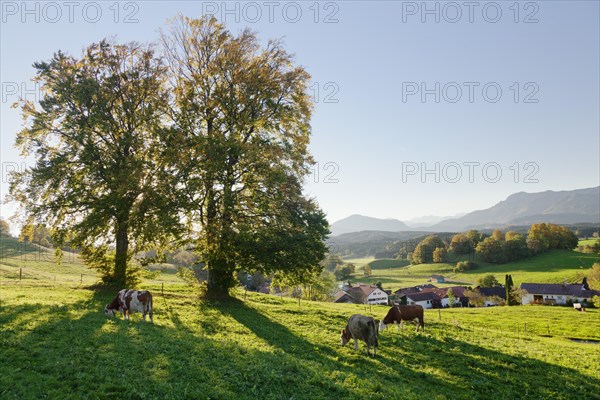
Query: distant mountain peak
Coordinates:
[521,208]
[358,223]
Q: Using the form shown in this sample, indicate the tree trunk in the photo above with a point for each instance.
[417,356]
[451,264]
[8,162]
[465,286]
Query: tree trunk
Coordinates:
[220,279]
[122,249]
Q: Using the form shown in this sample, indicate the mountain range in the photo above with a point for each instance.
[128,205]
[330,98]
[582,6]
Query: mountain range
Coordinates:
[559,207]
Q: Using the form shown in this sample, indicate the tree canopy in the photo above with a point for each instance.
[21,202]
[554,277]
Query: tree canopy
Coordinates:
[239,151]
[424,252]
[204,144]
[95,135]
[542,237]
[488,281]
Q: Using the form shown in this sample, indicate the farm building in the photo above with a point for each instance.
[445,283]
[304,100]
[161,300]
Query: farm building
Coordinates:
[344,297]
[437,278]
[550,293]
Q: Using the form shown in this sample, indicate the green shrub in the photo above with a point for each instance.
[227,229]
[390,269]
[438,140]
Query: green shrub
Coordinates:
[463,266]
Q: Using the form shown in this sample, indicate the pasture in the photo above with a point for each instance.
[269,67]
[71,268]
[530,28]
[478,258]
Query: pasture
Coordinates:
[56,343]
[554,266]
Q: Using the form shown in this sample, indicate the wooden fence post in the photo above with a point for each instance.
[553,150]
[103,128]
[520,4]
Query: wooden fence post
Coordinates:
[20,273]
[81,280]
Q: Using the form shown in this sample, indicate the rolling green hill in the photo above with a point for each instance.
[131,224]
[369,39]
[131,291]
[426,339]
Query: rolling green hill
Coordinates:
[555,266]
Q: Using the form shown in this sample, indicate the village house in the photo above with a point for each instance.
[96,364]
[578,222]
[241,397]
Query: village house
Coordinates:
[400,294]
[458,292]
[425,299]
[361,294]
[494,296]
[433,297]
[561,294]
[437,278]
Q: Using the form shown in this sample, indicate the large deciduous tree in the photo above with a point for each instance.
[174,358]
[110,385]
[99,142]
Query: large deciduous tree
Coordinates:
[239,152]
[542,237]
[95,136]
[424,251]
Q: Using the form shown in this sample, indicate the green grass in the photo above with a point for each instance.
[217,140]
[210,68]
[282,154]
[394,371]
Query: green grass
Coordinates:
[386,263]
[359,262]
[56,343]
[587,242]
[31,261]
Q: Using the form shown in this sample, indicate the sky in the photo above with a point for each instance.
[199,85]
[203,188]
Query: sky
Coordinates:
[421,108]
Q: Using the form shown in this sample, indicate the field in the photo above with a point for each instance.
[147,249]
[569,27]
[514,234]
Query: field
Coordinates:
[587,242]
[56,343]
[555,266]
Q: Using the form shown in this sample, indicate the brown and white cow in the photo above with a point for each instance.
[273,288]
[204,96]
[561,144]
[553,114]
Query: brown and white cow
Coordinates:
[128,301]
[397,314]
[363,328]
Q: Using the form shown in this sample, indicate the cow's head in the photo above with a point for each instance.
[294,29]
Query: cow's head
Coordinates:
[345,336]
[109,312]
[382,326]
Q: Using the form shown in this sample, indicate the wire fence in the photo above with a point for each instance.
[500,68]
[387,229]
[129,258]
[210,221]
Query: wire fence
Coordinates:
[16,274]
[451,326]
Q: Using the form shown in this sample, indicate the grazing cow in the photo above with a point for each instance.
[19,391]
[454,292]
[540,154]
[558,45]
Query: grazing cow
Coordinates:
[128,301]
[397,314]
[363,328]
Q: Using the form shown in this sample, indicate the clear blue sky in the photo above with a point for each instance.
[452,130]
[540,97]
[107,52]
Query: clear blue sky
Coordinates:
[372,58]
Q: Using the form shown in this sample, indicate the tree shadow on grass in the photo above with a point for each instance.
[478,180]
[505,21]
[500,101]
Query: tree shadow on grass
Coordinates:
[484,373]
[73,351]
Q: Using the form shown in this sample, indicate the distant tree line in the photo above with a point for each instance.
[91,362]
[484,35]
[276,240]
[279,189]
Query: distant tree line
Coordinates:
[496,248]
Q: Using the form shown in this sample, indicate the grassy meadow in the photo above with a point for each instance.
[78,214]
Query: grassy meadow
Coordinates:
[56,343]
[587,242]
[554,266]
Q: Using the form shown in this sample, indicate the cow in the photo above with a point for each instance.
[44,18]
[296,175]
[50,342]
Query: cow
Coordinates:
[397,314]
[363,328]
[128,301]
